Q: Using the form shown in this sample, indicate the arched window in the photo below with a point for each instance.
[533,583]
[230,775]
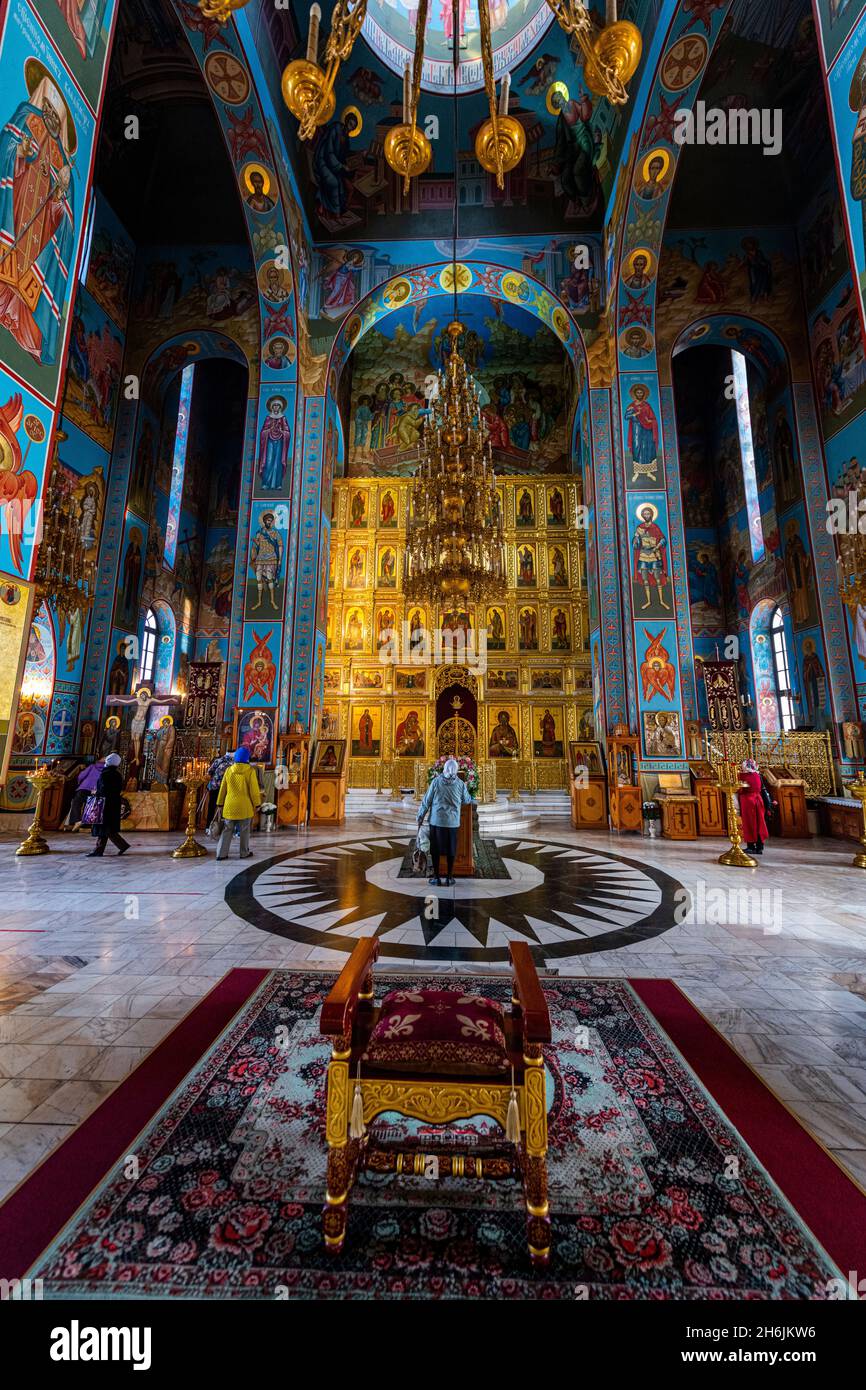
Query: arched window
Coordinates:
[147,665]
[782,670]
[747,456]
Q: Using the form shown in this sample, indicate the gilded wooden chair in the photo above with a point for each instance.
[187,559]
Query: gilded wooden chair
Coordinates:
[438,1056]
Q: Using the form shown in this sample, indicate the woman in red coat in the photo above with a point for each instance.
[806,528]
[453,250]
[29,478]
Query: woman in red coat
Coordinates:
[752,807]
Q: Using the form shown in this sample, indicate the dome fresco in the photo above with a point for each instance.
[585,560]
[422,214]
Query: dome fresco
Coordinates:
[516,26]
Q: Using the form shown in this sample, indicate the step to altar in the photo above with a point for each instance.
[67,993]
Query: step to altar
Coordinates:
[499,818]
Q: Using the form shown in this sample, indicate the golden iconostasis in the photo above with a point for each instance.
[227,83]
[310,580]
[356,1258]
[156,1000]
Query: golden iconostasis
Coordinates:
[381,693]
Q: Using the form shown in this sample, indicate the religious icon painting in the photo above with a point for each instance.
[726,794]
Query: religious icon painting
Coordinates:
[548,679]
[636,342]
[278,354]
[81,34]
[411,678]
[272,476]
[455,625]
[654,174]
[25,423]
[641,434]
[525,508]
[661,734]
[585,756]
[42,199]
[255,729]
[386,568]
[131,571]
[354,630]
[547,731]
[503,739]
[333,680]
[527,629]
[258,186]
[259,663]
[267,559]
[496,630]
[527,567]
[409,739]
[359,506]
[356,567]
[368,679]
[502,678]
[557,567]
[557,509]
[366,731]
[385,627]
[330,755]
[652,593]
[388,508]
[95,358]
[799,568]
[275,282]
[560,630]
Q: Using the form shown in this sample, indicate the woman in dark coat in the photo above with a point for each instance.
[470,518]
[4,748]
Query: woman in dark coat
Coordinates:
[109,786]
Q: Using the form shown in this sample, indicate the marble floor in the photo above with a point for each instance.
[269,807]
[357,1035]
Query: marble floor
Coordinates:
[98,962]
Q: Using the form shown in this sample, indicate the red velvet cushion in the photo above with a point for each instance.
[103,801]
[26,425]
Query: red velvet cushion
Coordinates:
[440,1030]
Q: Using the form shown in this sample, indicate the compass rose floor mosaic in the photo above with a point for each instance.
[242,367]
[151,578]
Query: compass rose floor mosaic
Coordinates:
[134,994]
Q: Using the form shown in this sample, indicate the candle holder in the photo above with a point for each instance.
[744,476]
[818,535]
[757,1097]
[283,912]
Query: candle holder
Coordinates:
[35,842]
[857,788]
[736,857]
[194,776]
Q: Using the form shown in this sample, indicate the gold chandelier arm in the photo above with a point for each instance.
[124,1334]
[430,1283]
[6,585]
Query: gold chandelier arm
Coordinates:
[417,68]
[490,83]
[346,23]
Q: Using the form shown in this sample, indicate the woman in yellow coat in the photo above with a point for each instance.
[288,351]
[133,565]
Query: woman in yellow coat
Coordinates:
[239,798]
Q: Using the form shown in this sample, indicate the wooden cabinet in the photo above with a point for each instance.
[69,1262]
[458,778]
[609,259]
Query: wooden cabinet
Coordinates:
[589,805]
[623,771]
[328,782]
[841,818]
[711,810]
[791,820]
[679,817]
[293,763]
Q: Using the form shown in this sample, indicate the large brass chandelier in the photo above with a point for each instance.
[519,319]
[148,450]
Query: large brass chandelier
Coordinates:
[611,56]
[454,545]
[64,575]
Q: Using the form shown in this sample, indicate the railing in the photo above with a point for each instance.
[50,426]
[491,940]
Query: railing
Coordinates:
[809,756]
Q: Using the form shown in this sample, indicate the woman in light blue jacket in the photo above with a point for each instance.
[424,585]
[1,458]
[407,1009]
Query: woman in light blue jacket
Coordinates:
[445,797]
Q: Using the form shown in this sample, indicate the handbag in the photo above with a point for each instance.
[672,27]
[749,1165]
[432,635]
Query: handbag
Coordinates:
[214,830]
[94,807]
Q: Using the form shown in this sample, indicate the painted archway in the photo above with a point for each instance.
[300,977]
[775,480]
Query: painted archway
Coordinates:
[324,445]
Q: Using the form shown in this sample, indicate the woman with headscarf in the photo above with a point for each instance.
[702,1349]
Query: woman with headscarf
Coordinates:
[85,786]
[239,798]
[445,797]
[752,807]
[109,787]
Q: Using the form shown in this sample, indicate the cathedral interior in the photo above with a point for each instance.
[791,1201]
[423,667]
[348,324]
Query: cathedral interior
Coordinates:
[383,385]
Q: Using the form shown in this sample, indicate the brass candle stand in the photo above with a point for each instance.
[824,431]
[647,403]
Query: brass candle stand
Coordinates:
[194,776]
[857,788]
[736,857]
[35,842]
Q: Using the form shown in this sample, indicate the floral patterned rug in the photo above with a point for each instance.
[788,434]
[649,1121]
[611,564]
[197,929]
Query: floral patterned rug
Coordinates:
[653,1193]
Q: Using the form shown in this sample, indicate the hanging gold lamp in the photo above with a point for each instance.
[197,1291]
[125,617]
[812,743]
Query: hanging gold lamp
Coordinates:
[220,10]
[611,56]
[501,140]
[308,90]
[407,149]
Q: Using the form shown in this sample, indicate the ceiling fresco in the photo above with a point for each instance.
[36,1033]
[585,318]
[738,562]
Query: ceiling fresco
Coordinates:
[524,377]
[573,140]
[515,25]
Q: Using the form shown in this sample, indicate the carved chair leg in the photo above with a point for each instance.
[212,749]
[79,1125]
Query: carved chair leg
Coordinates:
[342,1166]
[537,1208]
[342,1151]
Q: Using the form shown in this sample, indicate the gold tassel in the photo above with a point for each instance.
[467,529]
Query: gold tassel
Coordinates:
[357,1128]
[512,1118]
